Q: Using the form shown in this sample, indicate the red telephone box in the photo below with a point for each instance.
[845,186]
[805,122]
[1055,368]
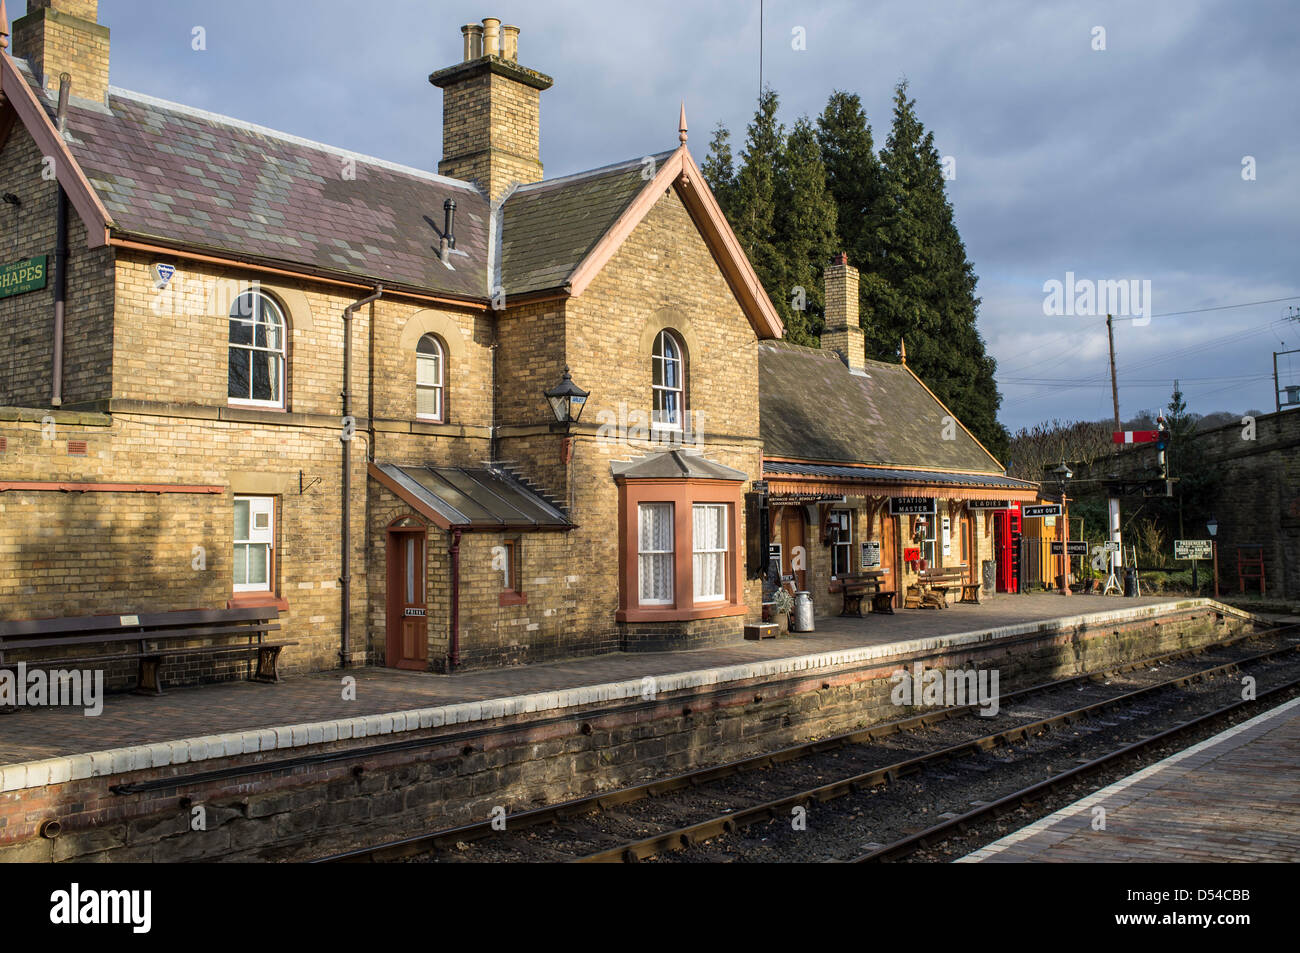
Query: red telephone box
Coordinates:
[1006,534]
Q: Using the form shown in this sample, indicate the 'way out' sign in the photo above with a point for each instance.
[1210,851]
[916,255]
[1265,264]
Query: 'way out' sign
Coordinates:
[21,277]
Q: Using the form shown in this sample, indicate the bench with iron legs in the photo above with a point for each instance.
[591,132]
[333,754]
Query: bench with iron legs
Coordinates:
[855,586]
[933,586]
[149,640]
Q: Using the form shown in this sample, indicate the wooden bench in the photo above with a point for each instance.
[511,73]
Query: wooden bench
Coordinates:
[148,640]
[935,584]
[856,586]
[970,592]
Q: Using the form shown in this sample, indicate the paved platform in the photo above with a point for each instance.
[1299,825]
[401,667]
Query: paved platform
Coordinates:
[1233,798]
[135,732]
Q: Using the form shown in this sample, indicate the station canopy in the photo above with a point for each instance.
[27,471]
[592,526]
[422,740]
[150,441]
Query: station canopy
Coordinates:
[479,498]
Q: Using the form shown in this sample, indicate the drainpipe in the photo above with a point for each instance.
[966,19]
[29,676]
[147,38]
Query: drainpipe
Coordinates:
[60,254]
[346,579]
[453,654]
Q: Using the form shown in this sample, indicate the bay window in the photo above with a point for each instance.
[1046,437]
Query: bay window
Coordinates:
[655,556]
[710,557]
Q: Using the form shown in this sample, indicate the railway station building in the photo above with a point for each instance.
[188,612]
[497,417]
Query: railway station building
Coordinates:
[461,419]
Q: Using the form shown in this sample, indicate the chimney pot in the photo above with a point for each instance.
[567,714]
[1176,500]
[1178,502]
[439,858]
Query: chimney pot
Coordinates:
[491,36]
[473,34]
[510,43]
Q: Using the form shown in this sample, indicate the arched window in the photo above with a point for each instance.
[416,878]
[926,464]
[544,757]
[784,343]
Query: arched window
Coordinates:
[669,382]
[430,374]
[257,336]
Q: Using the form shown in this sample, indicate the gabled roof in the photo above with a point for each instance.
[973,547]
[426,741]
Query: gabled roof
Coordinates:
[814,409]
[470,498]
[676,465]
[622,197]
[166,173]
[549,228]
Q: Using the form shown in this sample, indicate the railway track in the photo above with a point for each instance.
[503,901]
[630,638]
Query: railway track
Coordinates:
[603,827]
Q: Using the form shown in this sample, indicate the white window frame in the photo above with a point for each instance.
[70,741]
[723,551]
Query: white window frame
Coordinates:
[440,388]
[928,541]
[842,522]
[670,552]
[259,506]
[267,303]
[709,597]
[658,357]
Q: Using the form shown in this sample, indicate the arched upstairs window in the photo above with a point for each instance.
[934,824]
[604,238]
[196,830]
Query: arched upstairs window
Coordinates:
[669,382]
[257,351]
[430,378]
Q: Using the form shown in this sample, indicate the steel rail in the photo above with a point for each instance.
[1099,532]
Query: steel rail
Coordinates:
[1025,796]
[685,837]
[423,843]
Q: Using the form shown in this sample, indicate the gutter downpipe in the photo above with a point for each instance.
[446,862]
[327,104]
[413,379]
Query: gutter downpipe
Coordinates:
[453,654]
[345,581]
[60,254]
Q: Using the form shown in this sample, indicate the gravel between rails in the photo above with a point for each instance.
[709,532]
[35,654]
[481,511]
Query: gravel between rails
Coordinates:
[848,826]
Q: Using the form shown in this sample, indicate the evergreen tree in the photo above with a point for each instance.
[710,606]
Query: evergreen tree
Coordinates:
[805,232]
[753,197]
[853,175]
[922,286]
[719,168]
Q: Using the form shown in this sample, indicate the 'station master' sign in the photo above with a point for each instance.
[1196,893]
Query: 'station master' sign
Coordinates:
[23,276]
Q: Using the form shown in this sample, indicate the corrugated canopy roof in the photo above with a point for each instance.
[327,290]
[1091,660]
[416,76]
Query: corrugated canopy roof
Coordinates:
[482,498]
[887,475]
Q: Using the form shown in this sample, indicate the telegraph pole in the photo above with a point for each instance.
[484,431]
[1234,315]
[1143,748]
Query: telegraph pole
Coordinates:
[1114,379]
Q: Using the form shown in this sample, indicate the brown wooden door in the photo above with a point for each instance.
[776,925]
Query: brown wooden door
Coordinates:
[408,623]
[889,556]
[792,538]
[968,555]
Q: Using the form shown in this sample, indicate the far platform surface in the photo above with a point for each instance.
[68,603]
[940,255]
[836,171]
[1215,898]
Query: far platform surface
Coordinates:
[1233,798]
[393,701]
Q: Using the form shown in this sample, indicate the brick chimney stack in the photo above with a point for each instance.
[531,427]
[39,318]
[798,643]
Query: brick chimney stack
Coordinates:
[491,111]
[844,334]
[64,36]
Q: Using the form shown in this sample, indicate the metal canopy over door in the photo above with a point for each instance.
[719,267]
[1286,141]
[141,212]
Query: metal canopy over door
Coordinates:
[408,624]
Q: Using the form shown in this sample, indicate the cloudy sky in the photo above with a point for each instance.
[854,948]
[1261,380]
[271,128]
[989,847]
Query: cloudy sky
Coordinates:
[1116,164]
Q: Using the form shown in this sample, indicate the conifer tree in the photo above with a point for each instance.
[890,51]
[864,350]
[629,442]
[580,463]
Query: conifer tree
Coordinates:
[922,287]
[753,197]
[719,168]
[805,231]
[852,174]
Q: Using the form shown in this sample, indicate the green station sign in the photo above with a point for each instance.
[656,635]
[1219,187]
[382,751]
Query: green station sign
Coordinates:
[21,277]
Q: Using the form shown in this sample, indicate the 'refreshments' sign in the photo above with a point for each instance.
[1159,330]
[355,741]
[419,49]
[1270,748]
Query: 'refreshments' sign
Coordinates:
[23,276]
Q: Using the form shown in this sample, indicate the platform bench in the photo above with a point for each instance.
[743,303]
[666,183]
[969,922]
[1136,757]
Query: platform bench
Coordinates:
[148,640]
[938,582]
[855,586]
[970,592]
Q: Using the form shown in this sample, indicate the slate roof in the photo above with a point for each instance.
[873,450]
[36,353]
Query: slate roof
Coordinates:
[476,498]
[550,227]
[676,465]
[173,174]
[813,408]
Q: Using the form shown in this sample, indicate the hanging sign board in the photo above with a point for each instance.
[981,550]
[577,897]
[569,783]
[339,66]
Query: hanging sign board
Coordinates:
[871,555]
[1193,549]
[1035,512]
[1075,548]
[989,504]
[912,506]
[21,277]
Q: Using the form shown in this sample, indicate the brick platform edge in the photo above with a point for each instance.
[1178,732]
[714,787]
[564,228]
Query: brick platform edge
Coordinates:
[118,761]
[1110,796]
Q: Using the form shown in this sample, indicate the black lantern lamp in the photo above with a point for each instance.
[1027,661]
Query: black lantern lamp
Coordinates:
[1213,527]
[567,401]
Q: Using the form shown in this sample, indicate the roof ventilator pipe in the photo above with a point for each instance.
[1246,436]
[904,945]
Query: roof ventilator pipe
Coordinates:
[448,242]
[60,254]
